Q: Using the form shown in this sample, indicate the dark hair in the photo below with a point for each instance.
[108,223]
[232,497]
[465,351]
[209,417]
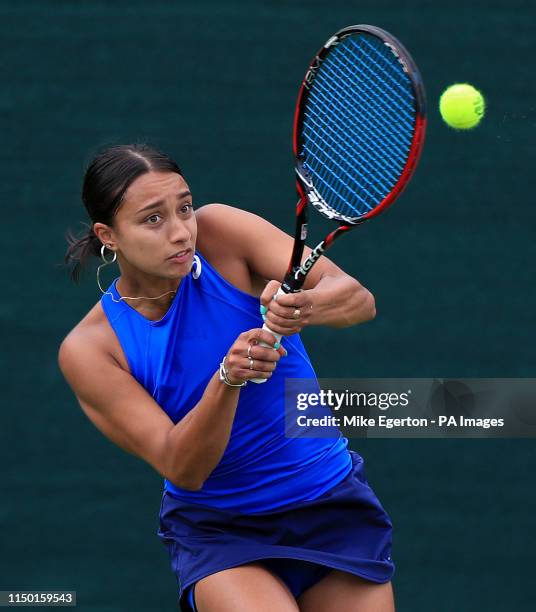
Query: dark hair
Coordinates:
[106,180]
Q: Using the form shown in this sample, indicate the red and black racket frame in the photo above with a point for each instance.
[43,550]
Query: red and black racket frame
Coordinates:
[307,194]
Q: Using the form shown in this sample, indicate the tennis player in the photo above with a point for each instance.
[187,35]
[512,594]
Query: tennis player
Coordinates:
[252,520]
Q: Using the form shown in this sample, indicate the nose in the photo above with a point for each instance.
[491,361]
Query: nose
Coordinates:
[179,232]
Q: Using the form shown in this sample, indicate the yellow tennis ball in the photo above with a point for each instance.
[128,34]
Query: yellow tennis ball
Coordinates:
[462,106]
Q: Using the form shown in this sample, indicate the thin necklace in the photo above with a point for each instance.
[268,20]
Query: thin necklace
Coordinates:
[127,297]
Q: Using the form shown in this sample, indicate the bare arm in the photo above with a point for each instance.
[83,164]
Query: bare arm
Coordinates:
[330,296]
[185,453]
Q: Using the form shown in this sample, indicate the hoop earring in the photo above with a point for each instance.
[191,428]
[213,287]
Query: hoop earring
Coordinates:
[110,261]
[107,261]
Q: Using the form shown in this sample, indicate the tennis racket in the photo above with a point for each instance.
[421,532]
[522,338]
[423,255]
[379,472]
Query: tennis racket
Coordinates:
[359,129]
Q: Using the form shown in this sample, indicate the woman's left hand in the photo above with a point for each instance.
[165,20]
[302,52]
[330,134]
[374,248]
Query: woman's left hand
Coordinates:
[287,313]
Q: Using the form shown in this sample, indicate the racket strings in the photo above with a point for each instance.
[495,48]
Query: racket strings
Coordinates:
[392,75]
[352,137]
[327,170]
[343,197]
[391,116]
[383,114]
[323,134]
[326,131]
[341,142]
[358,125]
[380,119]
[387,116]
[364,140]
[375,122]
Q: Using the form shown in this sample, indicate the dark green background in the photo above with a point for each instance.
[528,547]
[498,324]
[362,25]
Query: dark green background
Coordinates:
[451,266]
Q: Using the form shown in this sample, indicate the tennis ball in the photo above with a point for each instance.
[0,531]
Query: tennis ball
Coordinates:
[461,106]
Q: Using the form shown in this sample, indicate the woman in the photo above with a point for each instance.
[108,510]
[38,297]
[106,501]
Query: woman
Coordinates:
[252,520]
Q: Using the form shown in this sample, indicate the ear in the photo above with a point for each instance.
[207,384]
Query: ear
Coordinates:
[104,233]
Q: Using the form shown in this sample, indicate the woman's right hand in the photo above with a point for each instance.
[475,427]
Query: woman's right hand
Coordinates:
[246,359]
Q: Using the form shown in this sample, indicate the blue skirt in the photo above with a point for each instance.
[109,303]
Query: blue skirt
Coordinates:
[345,529]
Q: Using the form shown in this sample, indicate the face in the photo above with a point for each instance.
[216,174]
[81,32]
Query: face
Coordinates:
[154,222]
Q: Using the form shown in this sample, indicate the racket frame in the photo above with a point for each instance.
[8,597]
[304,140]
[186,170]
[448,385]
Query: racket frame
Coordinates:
[307,194]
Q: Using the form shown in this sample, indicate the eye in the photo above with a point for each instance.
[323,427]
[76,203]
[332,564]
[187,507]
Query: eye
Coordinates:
[186,208]
[148,220]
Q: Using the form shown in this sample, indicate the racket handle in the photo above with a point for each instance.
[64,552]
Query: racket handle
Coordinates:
[278,337]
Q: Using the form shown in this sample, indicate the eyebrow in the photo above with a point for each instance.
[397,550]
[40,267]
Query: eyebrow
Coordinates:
[180,195]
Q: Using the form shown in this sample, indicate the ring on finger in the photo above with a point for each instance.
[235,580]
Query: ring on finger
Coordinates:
[296,314]
[249,350]
[250,363]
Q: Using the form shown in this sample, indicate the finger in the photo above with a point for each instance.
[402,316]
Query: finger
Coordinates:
[282,351]
[266,353]
[269,291]
[284,331]
[248,374]
[278,309]
[260,335]
[262,353]
[288,312]
[258,365]
[238,365]
[299,299]
[273,320]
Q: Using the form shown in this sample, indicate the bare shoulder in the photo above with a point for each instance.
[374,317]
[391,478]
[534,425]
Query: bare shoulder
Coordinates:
[224,234]
[228,223]
[92,338]
[218,212]
[229,234]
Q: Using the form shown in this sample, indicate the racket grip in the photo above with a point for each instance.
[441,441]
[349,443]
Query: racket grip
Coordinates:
[278,337]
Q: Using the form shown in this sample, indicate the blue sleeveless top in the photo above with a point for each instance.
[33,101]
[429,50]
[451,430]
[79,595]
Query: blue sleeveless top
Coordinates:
[174,359]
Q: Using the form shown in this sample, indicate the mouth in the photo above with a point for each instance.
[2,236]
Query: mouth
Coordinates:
[180,256]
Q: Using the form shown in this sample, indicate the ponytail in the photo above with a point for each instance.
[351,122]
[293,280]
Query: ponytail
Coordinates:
[79,250]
